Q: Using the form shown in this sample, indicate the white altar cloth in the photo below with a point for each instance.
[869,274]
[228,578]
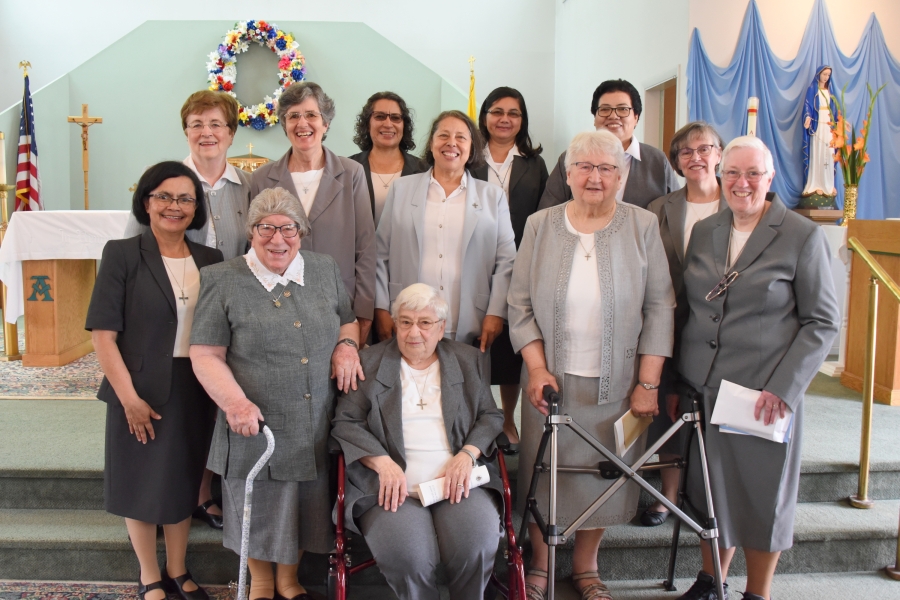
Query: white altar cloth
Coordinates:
[54,234]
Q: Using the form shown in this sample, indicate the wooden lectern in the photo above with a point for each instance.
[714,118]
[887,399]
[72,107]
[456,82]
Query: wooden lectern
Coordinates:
[57,295]
[882,239]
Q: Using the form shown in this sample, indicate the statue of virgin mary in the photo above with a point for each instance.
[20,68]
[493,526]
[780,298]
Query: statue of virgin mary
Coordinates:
[818,155]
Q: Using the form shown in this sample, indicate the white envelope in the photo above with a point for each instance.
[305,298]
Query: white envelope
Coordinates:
[433,491]
[735,405]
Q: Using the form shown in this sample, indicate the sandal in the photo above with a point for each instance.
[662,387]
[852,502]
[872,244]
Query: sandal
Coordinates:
[143,589]
[592,591]
[532,591]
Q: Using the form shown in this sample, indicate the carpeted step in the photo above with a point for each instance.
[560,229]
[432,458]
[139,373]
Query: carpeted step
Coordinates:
[93,545]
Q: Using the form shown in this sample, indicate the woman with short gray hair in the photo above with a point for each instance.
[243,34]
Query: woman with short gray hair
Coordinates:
[270,328]
[590,310]
[333,194]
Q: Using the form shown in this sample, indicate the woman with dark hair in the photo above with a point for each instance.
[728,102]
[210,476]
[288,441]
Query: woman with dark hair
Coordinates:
[384,133]
[451,231]
[616,107]
[513,163]
[158,418]
[331,190]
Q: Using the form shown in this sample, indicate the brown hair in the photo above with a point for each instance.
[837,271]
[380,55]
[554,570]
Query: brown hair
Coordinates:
[694,129]
[204,100]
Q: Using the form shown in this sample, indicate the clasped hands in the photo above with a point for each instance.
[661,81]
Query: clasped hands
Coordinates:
[392,489]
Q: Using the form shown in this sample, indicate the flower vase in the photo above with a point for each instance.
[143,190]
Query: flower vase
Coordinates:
[850,192]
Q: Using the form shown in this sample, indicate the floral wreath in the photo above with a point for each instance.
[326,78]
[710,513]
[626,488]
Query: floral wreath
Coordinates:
[223,70]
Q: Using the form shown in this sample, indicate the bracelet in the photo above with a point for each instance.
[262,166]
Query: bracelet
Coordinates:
[472,456]
[349,342]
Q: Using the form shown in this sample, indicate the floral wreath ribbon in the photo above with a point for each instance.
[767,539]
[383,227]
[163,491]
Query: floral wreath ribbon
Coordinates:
[222,68]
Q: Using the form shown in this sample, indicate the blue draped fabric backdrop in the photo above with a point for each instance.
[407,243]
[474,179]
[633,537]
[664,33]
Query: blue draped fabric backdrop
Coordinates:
[719,95]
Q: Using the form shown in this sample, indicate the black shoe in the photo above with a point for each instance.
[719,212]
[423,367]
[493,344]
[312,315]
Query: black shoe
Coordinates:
[749,596]
[651,518]
[303,596]
[202,513]
[704,589]
[174,586]
[143,589]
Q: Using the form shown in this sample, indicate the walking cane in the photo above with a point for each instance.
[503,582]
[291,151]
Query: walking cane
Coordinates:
[248,506]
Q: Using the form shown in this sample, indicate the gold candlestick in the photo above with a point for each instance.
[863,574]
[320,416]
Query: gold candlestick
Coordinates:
[10,330]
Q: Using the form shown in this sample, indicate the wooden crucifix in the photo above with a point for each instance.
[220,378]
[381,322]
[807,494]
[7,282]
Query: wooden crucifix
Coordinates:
[85,121]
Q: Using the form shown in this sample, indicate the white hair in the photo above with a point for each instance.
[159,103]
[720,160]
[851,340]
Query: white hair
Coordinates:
[749,141]
[419,297]
[595,142]
[277,201]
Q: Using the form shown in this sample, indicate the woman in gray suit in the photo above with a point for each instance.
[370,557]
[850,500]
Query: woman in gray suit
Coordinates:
[590,309]
[271,327]
[695,153]
[451,231]
[763,314]
[425,412]
[332,190]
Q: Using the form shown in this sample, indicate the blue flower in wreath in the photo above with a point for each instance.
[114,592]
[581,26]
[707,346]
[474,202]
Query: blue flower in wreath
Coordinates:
[258,123]
[251,24]
[270,106]
[297,74]
[280,44]
[271,33]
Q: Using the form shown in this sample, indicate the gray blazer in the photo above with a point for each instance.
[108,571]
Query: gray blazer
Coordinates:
[648,179]
[527,179]
[636,291]
[226,210]
[773,327]
[341,218]
[671,211]
[368,421]
[281,358]
[489,249]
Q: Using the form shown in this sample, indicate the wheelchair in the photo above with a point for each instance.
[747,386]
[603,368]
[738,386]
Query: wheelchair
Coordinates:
[341,566]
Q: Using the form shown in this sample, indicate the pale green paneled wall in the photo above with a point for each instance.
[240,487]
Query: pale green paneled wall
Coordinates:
[139,83]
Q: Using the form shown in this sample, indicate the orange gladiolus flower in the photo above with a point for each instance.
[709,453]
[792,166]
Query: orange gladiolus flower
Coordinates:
[865,157]
[860,144]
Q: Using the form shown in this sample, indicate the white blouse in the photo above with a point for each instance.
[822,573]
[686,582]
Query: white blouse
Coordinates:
[584,318]
[309,181]
[695,212]
[381,185]
[424,434]
[499,173]
[184,277]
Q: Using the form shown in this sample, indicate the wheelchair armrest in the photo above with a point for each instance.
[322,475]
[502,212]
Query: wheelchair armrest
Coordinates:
[334,447]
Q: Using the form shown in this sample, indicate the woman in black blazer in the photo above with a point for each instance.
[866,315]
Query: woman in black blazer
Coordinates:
[515,165]
[384,133]
[158,417]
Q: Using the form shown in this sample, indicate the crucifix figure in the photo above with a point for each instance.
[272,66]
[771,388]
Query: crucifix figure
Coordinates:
[85,121]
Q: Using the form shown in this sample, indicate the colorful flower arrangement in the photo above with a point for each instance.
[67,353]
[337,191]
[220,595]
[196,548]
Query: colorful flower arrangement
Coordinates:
[850,144]
[223,70]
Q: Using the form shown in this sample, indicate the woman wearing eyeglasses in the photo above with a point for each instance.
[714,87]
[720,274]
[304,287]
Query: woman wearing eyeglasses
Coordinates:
[384,133]
[590,310]
[513,163]
[647,175]
[332,190]
[158,417]
[271,328]
[762,314]
[695,153]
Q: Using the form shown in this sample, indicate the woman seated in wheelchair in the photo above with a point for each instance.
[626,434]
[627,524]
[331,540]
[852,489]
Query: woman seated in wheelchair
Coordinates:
[424,412]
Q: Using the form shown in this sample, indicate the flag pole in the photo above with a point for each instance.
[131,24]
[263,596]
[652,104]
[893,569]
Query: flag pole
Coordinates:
[10,330]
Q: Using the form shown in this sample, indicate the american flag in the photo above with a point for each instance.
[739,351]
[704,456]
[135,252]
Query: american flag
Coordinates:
[28,183]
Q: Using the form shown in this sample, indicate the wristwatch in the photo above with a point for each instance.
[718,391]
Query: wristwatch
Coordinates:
[348,342]
[648,386]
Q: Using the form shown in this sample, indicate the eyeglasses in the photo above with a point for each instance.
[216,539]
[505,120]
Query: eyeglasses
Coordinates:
[311,116]
[703,150]
[722,286]
[266,231]
[751,176]
[167,200]
[424,324]
[621,111]
[499,113]
[381,117]
[214,126]
[585,169]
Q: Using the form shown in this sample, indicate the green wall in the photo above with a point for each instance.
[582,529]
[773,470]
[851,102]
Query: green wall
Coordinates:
[138,84]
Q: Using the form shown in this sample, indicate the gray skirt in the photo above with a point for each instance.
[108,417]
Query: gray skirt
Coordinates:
[286,516]
[576,491]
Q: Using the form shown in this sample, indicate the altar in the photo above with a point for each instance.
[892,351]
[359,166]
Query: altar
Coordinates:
[48,263]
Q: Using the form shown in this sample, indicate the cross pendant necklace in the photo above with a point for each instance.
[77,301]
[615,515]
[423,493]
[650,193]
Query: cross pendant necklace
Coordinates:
[183,297]
[587,253]
[422,404]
